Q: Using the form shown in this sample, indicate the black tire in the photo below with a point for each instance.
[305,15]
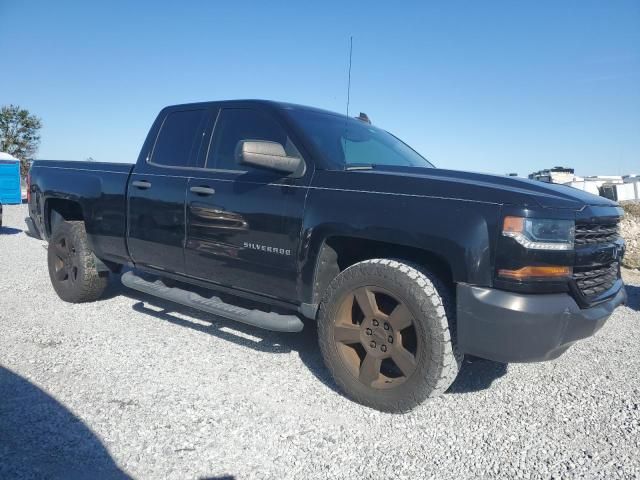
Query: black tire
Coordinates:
[433,354]
[72,267]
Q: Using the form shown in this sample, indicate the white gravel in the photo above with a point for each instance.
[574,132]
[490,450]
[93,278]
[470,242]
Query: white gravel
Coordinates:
[131,386]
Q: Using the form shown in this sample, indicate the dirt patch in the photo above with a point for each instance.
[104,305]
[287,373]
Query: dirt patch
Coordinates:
[630,229]
[631,276]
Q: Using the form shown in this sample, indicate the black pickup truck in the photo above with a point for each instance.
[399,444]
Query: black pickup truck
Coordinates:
[307,213]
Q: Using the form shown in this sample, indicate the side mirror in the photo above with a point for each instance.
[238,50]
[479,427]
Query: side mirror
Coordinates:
[265,154]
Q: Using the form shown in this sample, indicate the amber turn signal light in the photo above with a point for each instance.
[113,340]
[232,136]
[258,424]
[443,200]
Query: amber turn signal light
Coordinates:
[513,225]
[531,272]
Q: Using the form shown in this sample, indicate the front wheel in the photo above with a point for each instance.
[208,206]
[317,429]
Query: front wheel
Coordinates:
[384,334]
[72,266]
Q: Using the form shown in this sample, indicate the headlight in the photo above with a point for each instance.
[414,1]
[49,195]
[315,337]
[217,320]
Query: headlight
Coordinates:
[540,233]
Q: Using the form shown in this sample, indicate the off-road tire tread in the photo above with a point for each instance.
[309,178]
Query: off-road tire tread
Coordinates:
[91,284]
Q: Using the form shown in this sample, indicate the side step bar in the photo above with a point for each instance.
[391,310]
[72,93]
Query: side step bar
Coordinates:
[257,318]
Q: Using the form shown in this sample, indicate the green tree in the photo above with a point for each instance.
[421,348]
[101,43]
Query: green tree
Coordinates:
[19,134]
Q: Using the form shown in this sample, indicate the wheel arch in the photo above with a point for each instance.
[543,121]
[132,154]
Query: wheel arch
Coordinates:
[61,209]
[338,252]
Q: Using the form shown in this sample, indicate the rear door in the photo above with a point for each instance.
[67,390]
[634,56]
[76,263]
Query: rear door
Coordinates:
[244,223]
[156,191]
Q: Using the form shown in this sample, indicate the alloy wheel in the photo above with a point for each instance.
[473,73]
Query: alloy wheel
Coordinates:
[66,264]
[375,334]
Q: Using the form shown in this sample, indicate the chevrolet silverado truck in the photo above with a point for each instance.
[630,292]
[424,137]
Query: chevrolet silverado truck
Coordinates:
[306,213]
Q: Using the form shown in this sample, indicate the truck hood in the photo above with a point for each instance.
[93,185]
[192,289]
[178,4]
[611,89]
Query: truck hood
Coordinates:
[492,188]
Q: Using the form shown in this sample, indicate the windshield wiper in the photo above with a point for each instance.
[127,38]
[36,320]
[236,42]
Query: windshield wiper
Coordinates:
[359,166]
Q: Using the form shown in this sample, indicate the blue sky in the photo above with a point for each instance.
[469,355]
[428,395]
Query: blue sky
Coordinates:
[496,86]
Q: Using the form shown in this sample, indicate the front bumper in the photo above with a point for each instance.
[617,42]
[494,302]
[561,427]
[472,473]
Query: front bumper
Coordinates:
[514,327]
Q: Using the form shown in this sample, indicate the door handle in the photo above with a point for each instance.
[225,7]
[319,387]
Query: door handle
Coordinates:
[203,190]
[142,184]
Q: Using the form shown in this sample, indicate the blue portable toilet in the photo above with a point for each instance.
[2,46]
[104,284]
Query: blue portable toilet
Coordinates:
[9,179]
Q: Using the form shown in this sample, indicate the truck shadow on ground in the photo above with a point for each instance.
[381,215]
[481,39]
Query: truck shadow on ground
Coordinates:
[476,374]
[40,438]
[9,231]
[633,297]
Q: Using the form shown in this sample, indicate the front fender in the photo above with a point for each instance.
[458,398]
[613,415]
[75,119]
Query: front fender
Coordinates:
[459,232]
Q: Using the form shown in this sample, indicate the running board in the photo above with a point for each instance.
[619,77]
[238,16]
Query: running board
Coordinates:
[257,318]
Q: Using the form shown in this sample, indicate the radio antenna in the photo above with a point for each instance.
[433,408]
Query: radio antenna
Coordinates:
[349,81]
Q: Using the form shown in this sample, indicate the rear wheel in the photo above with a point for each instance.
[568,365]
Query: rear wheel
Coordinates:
[384,334]
[72,266]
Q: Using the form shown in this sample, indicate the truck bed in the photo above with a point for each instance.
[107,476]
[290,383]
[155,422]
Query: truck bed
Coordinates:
[113,167]
[99,188]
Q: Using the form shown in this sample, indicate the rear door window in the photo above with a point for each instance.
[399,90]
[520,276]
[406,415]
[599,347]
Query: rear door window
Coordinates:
[179,138]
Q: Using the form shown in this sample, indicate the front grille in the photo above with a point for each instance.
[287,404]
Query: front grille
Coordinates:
[594,233]
[596,278]
[592,281]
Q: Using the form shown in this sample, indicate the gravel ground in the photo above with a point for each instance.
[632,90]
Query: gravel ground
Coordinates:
[132,386]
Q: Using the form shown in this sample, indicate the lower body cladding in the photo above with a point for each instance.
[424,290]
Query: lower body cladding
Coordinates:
[513,327]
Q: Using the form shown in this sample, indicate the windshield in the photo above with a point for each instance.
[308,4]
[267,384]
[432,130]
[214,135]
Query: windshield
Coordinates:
[346,141]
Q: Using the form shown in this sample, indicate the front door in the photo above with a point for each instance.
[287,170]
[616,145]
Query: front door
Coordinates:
[156,192]
[244,223]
